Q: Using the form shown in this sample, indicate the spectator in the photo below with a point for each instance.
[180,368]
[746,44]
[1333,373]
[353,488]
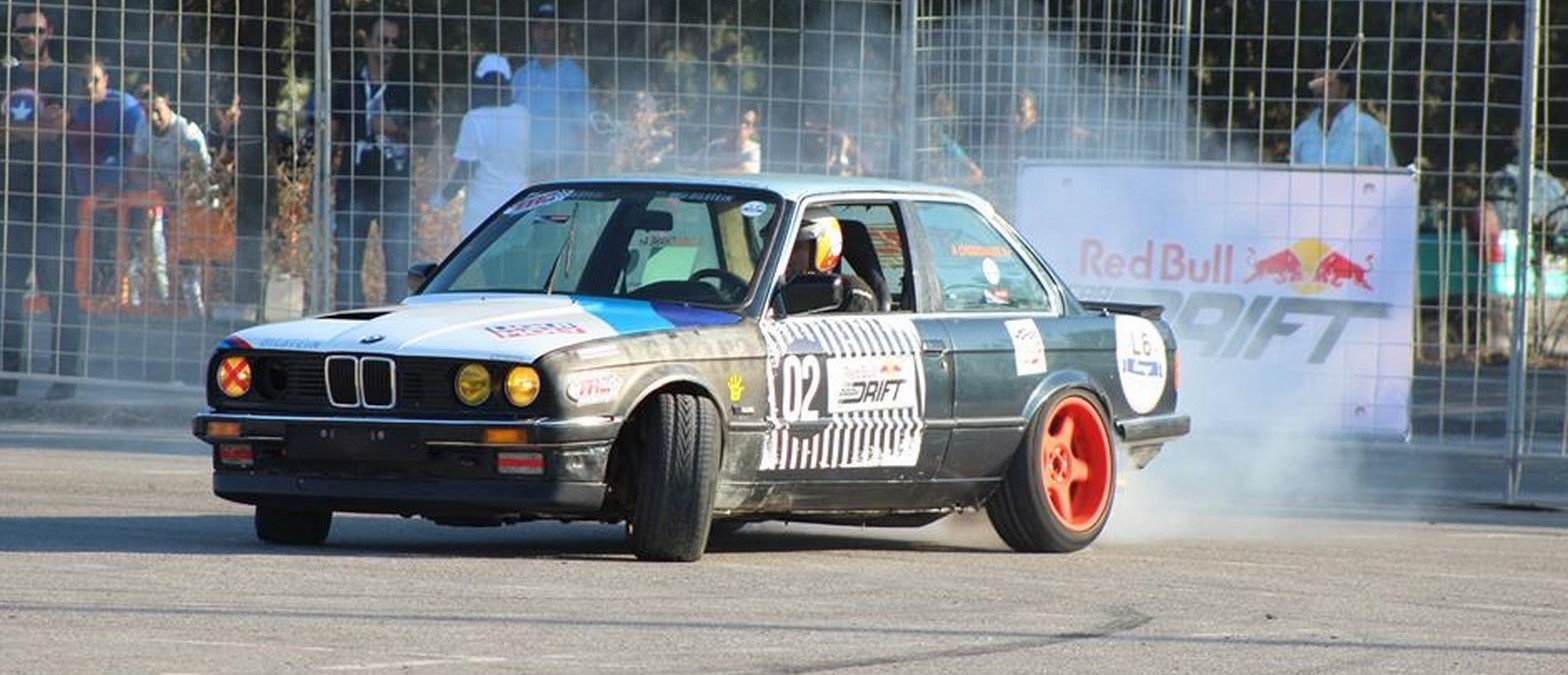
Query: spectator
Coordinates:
[371,119]
[175,152]
[1338,132]
[1026,134]
[492,147]
[945,159]
[101,133]
[644,143]
[554,88]
[35,222]
[1548,204]
[844,157]
[738,151]
[220,136]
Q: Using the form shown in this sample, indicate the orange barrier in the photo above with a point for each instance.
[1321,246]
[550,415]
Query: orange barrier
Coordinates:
[123,206]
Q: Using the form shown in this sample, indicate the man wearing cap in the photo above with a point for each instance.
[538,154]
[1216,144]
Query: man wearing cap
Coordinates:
[1338,132]
[492,146]
[554,88]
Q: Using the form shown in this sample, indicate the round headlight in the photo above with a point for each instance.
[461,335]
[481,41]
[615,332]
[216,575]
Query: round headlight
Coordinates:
[472,384]
[234,376]
[522,386]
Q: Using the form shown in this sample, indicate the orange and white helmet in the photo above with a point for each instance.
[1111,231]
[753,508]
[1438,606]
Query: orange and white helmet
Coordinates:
[826,239]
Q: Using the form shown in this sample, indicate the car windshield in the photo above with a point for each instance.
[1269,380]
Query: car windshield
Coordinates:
[679,244]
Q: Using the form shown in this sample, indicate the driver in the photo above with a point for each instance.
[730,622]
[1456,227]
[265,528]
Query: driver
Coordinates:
[818,249]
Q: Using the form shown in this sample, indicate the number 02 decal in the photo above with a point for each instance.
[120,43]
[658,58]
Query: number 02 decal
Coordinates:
[799,379]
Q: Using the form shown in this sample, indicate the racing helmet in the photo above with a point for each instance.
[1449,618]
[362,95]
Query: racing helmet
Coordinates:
[826,239]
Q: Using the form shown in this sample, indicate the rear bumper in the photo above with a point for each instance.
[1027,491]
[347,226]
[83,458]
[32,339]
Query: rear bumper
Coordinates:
[1144,437]
[438,468]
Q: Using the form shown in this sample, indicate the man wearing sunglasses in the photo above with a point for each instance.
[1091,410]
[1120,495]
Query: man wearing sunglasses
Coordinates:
[36,228]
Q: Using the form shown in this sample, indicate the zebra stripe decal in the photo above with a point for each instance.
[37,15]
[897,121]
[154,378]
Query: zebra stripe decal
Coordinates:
[843,392]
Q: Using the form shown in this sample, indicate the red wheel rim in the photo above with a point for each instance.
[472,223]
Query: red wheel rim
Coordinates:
[1075,463]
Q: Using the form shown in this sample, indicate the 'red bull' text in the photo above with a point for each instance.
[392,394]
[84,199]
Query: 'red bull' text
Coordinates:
[1164,262]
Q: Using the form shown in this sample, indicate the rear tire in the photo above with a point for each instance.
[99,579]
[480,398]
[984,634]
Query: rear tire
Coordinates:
[292,527]
[676,475]
[1056,496]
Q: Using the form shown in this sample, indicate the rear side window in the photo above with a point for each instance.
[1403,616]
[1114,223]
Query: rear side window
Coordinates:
[977,269]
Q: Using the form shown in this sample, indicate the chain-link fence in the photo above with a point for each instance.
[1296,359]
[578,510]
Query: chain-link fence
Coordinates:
[128,252]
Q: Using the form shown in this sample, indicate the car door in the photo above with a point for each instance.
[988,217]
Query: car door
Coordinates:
[1003,317]
[859,404]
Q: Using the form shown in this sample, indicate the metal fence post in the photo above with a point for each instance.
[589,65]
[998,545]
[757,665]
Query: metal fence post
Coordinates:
[908,91]
[1519,340]
[321,195]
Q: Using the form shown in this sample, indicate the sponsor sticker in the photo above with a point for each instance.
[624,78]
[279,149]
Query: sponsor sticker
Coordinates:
[1028,347]
[828,410]
[752,209]
[866,383]
[523,330]
[593,387]
[993,274]
[737,387]
[1140,361]
[286,343]
[538,200]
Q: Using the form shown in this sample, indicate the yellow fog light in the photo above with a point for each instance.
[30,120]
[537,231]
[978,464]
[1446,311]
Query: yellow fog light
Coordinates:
[522,386]
[473,384]
[234,376]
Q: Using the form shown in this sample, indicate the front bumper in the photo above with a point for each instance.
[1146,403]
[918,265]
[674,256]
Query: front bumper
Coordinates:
[454,469]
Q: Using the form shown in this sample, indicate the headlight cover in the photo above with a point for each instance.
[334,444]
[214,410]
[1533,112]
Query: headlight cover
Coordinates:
[472,384]
[522,386]
[233,376]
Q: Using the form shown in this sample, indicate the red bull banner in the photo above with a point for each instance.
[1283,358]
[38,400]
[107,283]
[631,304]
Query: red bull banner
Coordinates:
[1290,289]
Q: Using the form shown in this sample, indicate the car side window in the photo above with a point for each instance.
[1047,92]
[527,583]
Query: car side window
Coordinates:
[878,245]
[976,268]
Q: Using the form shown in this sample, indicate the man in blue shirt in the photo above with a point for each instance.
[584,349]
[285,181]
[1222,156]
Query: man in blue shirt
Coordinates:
[1339,132]
[101,134]
[555,90]
[99,141]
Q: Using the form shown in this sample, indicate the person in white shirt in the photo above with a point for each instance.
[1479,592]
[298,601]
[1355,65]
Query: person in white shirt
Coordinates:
[492,147]
[169,145]
[739,151]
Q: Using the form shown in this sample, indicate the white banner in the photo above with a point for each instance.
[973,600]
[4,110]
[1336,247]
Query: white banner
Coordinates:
[1290,289]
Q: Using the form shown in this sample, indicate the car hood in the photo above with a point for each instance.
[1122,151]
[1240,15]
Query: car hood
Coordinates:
[512,327]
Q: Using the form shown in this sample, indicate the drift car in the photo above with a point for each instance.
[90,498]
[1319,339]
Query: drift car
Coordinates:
[673,353]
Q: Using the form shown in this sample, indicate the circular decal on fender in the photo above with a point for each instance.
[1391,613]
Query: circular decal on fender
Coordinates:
[1140,361]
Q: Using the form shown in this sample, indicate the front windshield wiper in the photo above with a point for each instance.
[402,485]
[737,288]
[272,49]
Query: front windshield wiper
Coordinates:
[565,252]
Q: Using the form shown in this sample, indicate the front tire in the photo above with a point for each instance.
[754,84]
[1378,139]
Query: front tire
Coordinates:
[1057,494]
[292,527]
[676,475]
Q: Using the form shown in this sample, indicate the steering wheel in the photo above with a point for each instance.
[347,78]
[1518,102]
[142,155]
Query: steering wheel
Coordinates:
[730,284]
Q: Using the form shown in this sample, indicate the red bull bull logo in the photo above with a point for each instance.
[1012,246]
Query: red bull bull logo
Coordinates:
[1309,266]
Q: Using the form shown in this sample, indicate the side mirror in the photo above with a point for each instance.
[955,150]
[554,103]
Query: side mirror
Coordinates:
[419,274]
[809,293]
